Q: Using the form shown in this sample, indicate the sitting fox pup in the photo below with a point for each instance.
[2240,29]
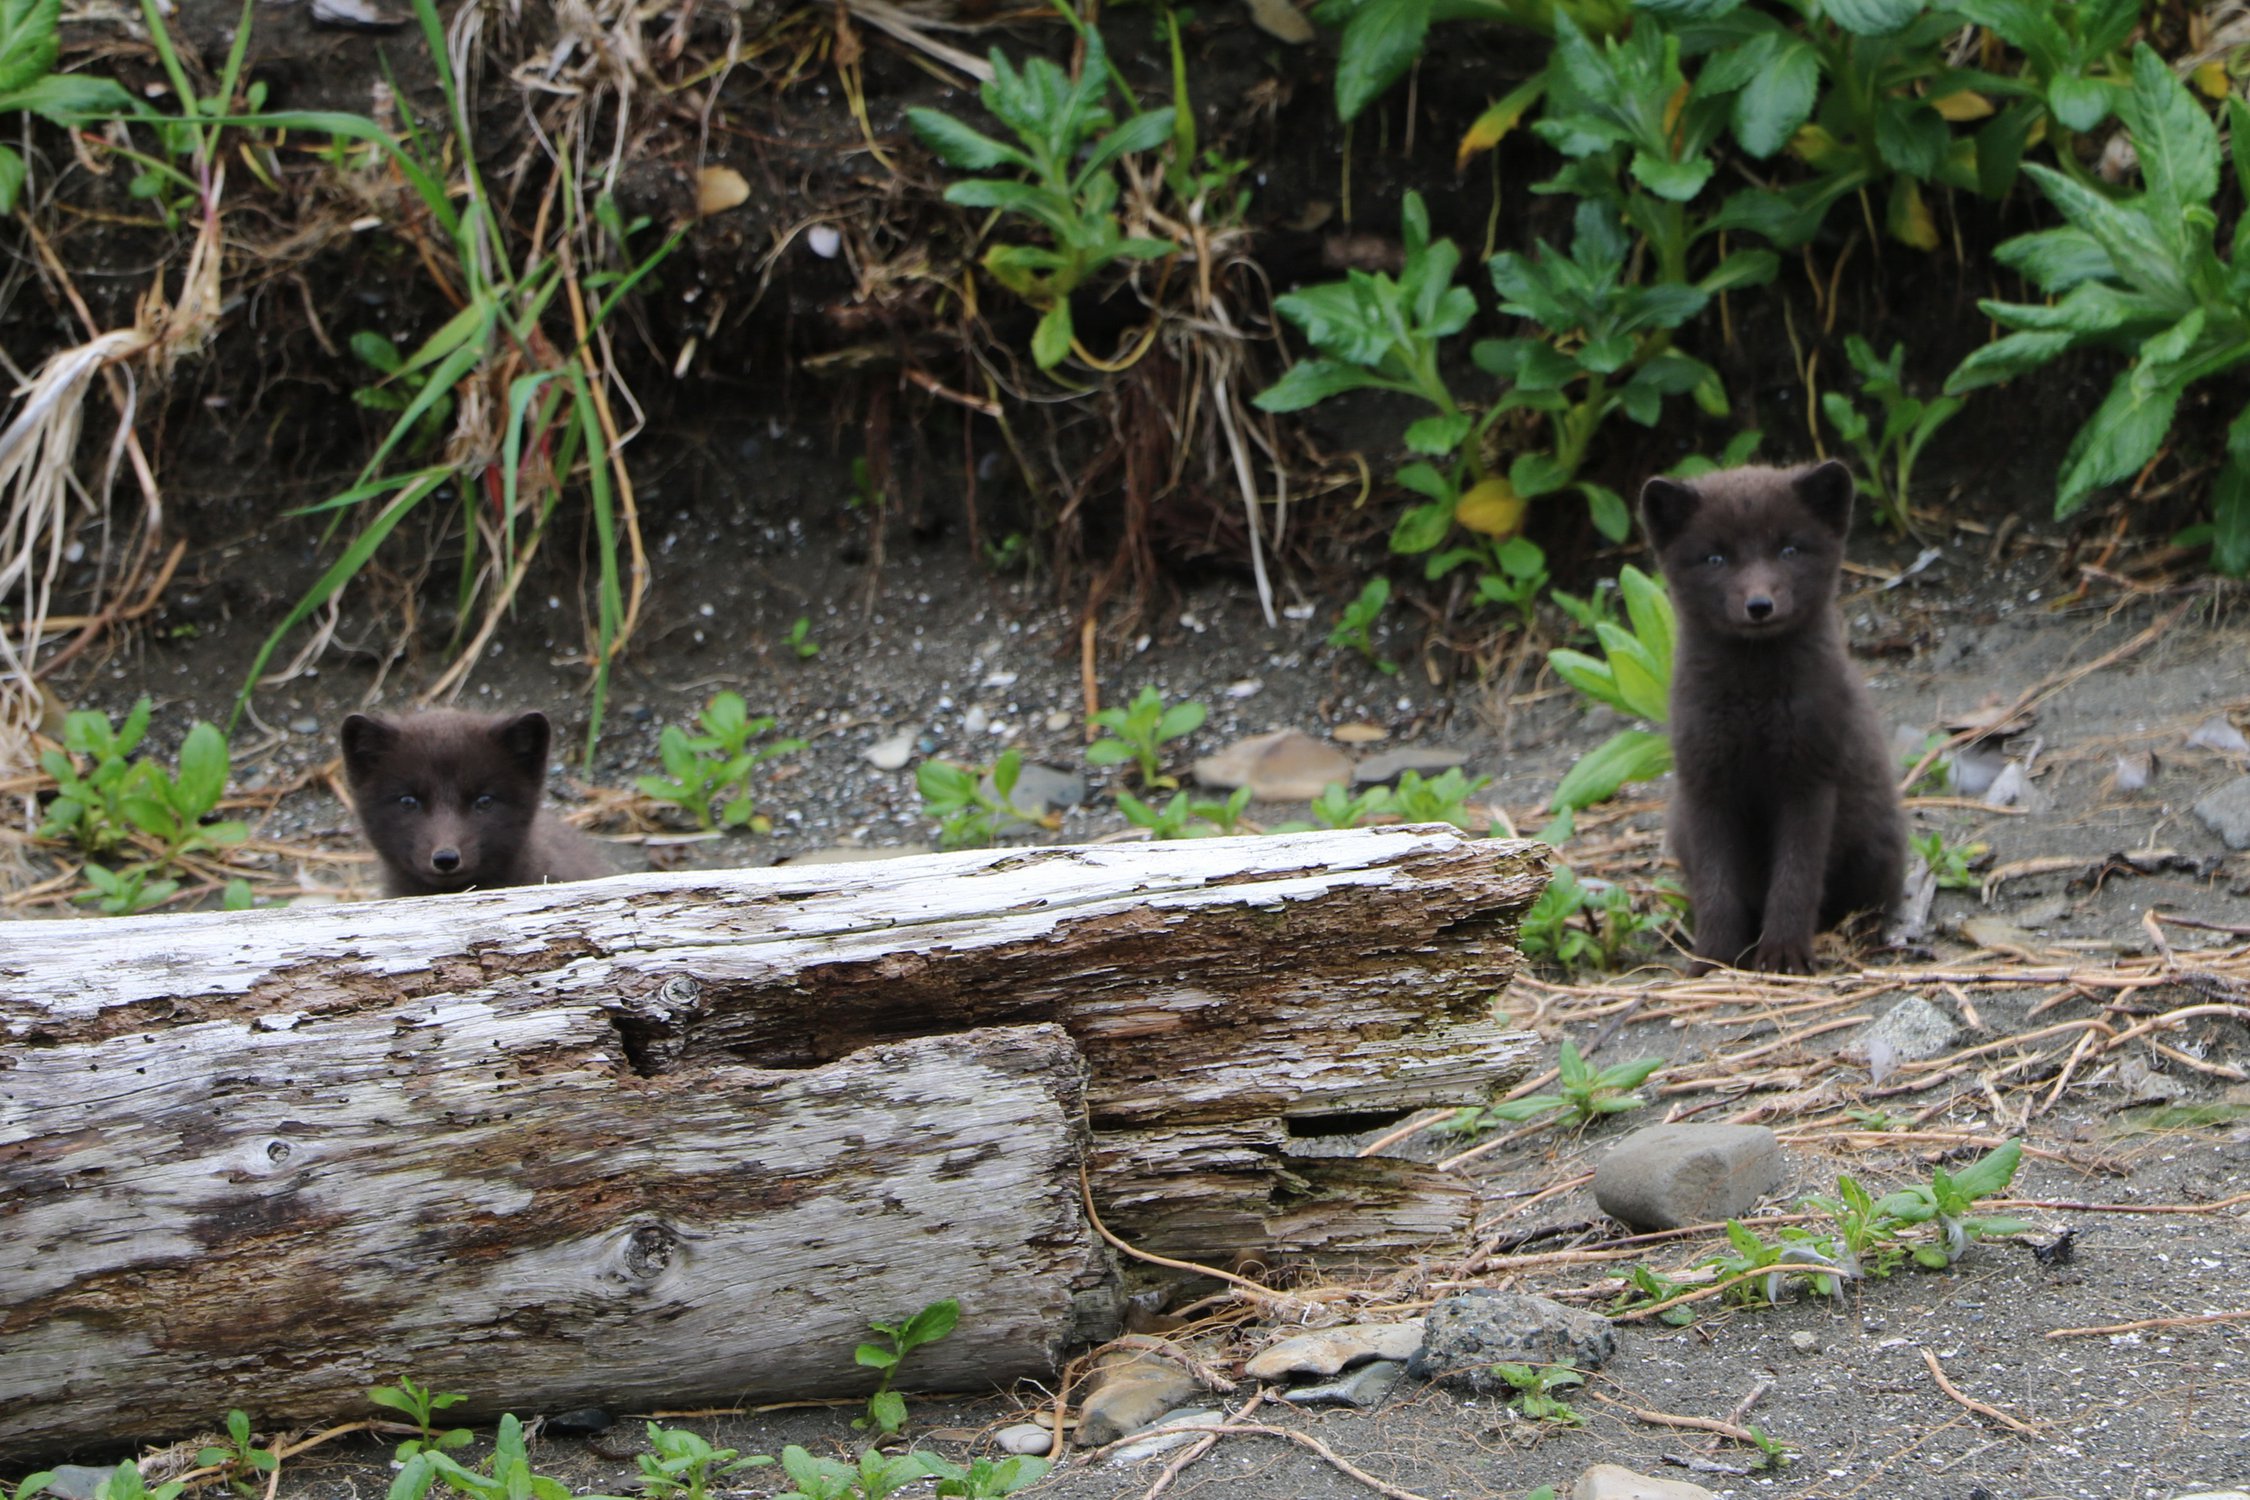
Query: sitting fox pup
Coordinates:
[451,801]
[1783,816]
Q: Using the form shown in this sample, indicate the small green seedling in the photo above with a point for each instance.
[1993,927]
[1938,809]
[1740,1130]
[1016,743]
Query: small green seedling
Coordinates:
[240,1457]
[1588,924]
[874,1478]
[1747,1251]
[1338,806]
[1938,779]
[507,1475]
[968,816]
[418,1404]
[1140,730]
[984,1478]
[1950,863]
[708,774]
[886,1409]
[1648,1290]
[125,1483]
[1586,1095]
[124,893]
[115,796]
[1355,627]
[1886,453]
[1865,1242]
[1535,1387]
[1949,1200]
[799,639]
[683,1465]
[398,389]
[1517,574]
[1177,819]
[1441,799]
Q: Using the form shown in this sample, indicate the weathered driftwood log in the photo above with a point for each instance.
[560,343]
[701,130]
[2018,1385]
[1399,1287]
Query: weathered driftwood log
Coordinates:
[306,1148]
[277,1215]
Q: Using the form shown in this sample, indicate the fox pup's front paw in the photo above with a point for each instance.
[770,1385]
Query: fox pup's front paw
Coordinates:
[1782,956]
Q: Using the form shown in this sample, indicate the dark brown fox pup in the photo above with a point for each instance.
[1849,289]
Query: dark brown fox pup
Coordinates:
[1783,815]
[451,801]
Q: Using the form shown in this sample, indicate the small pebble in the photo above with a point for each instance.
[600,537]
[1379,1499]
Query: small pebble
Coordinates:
[891,754]
[1804,1342]
[1025,1437]
[304,724]
[824,241]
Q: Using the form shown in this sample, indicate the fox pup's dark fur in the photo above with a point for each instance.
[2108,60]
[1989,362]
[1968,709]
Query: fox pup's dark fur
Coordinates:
[451,801]
[1784,816]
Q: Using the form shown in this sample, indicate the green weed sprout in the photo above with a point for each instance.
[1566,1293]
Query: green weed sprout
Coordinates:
[1535,1389]
[1354,628]
[239,1456]
[984,1478]
[1139,731]
[1886,451]
[1949,1200]
[1950,862]
[1177,819]
[707,775]
[418,1404]
[886,1409]
[682,1465]
[968,816]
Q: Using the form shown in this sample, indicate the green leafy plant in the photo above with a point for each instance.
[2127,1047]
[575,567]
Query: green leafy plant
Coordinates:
[125,1483]
[1443,798]
[886,1409]
[1177,819]
[506,1475]
[1950,1199]
[1586,1095]
[1515,575]
[1748,1252]
[238,1455]
[2142,274]
[1354,628]
[113,796]
[681,1465]
[1536,1388]
[1866,1239]
[1645,1288]
[1635,678]
[1069,140]
[1587,924]
[1886,451]
[419,1405]
[29,84]
[1338,806]
[1382,38]
[1950,862]
[1938,779]
[124,893]
[968,816]
[985,1478]
[707,775]
[799,639]
[2072,72]
[1139,731]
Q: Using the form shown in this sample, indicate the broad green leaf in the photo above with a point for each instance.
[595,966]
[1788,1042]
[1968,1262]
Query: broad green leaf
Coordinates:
[1649,608]
[1743,268]
[1424,480]
[1311,381]
[1610,515]
[12,174]
[1108,753]
[28,45]
[1911,137]
[1421,527]
[1143,132]
[2230,518]
[1778,99]
[2078,103]
[68,98]
[1050,341]
[2123,434]
[1677,181]
[203,772]
[2136,248]
[1628,755]
[1990,1173]
[2056,259]
[1872,17]
[1438,435]
[1382,40]
[1536,474]
[1179,719]
[1640,677]
[2000,145]
[1589,676]
[2177,143]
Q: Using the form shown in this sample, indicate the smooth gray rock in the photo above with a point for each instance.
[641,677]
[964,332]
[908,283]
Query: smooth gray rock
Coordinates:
[77,1481]
[1911,1031]
[1464,1337]
[1612,1482]
[1133,1391]
[1331,1349]
[1670,1176]
[1160,1440]
[1025,1437]
[2226,812]
[1389,765]
[1039,788]
[1365,1386]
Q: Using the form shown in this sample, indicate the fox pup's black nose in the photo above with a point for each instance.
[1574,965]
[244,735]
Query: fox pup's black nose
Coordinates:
[1759,606]
[445,861]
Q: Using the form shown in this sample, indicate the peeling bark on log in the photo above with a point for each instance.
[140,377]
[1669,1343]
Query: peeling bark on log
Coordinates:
[216,1215]
[281,1148]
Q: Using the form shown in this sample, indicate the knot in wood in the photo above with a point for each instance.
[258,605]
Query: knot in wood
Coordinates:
[680,991]
[649,1250]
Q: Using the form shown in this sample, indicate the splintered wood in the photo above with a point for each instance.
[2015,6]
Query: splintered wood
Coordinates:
[679,1137]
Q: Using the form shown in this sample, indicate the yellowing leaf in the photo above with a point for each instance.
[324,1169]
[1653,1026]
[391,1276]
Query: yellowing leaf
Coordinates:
[718,189]
[1813,146]
[1282,21]
[2212,78]
[1910,221]
[1497,120]
[1491,508]
[1965,104]
[1672,108]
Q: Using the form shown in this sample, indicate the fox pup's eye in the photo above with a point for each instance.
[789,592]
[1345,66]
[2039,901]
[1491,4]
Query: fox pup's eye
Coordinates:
[1790,550]
[1715,560]
[409,801]
[484,802]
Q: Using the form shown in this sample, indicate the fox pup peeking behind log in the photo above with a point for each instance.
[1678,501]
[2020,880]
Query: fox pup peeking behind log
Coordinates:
[1784,816]
[451,801]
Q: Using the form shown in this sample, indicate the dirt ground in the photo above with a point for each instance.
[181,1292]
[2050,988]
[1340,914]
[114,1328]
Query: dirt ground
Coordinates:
[2153,1412]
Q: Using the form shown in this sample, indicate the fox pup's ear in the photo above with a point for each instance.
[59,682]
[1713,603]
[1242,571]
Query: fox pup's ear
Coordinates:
[366,741]
[525,738]
[1666,507]
[1827,492]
